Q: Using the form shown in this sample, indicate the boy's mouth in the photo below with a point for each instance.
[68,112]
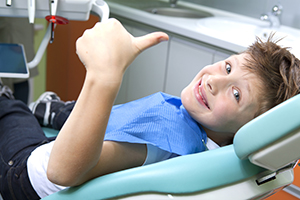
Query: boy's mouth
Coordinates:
[202,96]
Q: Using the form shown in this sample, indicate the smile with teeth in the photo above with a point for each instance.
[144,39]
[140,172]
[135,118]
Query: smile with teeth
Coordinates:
[203,99]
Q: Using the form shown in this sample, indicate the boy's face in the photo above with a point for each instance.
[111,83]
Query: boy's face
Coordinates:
[223,96]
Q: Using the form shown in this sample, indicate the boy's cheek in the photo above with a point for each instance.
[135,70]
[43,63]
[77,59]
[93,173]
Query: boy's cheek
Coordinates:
[186,96]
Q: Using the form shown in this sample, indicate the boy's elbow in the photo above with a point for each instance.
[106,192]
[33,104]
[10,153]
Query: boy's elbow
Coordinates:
[60,178]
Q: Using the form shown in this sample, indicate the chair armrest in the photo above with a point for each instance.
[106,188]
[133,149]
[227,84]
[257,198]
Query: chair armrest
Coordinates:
[180,175]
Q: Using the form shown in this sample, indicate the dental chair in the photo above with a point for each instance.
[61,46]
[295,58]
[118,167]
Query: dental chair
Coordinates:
[259,163]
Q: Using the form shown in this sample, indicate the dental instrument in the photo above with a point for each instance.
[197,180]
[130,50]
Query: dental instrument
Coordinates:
[31,10]
[53,19]
[8,2]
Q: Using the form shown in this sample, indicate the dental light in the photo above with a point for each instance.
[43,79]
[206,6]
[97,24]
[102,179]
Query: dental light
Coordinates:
[56,12]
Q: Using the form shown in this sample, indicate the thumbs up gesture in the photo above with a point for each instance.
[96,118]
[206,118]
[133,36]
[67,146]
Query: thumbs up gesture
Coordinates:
[107,49]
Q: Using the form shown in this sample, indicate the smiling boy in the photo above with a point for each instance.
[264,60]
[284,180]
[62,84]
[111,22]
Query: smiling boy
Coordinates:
[99,138]
[222,98]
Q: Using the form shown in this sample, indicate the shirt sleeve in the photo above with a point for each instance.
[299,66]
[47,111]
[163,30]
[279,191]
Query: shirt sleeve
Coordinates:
[155,154]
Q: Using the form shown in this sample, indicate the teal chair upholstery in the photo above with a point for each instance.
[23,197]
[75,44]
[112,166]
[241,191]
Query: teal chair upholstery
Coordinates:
[237,171]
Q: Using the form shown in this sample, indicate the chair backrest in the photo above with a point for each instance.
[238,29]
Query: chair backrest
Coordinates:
[272,139]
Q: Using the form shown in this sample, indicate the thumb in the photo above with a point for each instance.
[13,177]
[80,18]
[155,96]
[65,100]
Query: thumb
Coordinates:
[149,40]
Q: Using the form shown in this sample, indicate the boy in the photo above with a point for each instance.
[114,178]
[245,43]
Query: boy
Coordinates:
[219,100]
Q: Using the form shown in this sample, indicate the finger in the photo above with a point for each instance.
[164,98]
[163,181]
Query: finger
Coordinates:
[149,40]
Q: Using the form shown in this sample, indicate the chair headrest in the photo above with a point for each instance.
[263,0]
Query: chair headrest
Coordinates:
[277,123]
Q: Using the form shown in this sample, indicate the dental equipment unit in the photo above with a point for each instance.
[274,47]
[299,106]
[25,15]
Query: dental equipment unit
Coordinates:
[56,12]
[258,164]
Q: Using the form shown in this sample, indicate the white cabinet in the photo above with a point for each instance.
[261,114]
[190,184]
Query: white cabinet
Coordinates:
[185,60]
[146,74]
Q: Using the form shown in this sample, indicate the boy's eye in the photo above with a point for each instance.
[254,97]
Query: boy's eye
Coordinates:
[228,68]
[236,95]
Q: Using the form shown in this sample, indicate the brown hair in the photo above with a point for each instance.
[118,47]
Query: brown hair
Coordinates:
[277,68]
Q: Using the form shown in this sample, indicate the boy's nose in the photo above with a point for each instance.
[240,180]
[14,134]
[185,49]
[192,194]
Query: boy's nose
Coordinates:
[215,83]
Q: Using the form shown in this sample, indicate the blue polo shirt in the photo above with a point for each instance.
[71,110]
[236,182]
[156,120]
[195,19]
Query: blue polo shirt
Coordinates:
[160,120]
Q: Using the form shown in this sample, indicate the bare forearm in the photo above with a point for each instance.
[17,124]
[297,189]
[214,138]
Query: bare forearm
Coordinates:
[78,146]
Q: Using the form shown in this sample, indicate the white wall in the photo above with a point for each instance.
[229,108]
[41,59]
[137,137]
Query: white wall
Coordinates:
[254,8]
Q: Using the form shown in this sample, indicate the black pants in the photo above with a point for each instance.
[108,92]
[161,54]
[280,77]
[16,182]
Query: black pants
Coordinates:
[20,134]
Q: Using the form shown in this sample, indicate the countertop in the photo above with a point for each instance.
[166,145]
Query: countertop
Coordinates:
[188,27]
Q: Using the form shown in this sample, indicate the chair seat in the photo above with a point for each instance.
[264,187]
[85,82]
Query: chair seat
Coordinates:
[49,132]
